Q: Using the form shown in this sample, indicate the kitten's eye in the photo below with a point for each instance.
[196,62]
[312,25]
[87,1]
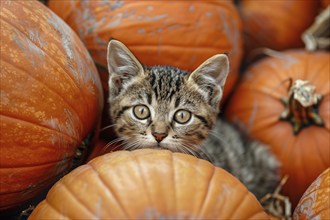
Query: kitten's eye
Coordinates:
[182,116]
[141,112]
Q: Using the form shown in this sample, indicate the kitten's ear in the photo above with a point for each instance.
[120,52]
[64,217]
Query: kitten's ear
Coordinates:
[210,77]
[122,65]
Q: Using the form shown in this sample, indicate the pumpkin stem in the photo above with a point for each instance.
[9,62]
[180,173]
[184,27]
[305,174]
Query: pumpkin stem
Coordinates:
[301,106]
[317,35]
[276,204]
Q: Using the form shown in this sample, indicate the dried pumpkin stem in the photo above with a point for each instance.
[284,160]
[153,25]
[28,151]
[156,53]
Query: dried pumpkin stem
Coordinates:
[317,36]
[276,204]
[26,213]
[301,106]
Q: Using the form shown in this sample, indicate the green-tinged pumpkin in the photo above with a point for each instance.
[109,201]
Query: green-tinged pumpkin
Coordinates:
[149,184]
[178,33]
[51,99]
[294,120]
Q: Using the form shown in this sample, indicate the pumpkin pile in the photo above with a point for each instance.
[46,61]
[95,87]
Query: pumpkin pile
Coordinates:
[53,110]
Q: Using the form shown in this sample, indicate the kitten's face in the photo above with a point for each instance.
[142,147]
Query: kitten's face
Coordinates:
[161,106]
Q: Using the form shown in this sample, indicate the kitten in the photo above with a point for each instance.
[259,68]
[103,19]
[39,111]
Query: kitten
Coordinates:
[168,108]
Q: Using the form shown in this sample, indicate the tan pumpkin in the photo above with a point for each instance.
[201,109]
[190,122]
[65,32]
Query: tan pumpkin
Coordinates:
[315,203]
[276,24]
[179,33]
[148,184]
[293,120]
[51,99]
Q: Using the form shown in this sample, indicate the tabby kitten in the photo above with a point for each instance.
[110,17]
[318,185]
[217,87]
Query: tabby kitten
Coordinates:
[168,108]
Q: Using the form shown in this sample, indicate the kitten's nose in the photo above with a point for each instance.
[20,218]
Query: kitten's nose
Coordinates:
[159,136]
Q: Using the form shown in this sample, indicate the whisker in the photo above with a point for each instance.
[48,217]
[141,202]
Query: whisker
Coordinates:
[136,145]
[125,145]
[117,146]
[182,149]
[187,148]
[116,140]
[206,156]
[130,145]
[113,142]
[106,127]
[199,152]
[193,150]
[217,136]
[139,144]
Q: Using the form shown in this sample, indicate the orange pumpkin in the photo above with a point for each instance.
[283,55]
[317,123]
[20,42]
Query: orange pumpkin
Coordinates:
[297,133]
[325,3]
[180,33]
[51,98]
[276,24]
[149,184]
[315,203]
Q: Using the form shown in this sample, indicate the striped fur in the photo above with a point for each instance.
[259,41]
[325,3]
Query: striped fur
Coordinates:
[164,90]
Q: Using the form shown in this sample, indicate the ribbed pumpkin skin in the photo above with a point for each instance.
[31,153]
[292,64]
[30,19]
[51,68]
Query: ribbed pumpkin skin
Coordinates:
[178,33]
[256,106]
[51,98]
[276,24]
[315,203]
[148,184]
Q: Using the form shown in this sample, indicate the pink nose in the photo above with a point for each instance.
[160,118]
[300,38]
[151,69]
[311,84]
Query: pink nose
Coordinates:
[159,136]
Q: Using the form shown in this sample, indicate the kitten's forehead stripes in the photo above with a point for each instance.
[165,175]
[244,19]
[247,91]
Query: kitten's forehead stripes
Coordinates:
[165,81]
[177,102]
[149,98]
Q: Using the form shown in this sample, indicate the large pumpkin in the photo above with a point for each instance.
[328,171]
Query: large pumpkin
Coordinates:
[315,203]
[294,123]
[148,184]
[51,98]
[179,33]
[276,24]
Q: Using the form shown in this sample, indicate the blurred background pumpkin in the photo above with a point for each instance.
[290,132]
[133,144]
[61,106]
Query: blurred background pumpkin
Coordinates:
[51,99]
[315,203]
[283,101]
[149,184]
[325,3]
[276,24]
